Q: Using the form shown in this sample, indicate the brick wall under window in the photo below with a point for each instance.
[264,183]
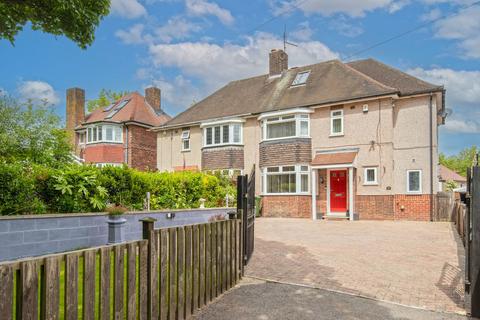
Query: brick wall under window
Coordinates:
[230,157]
[285,152]
[287,206]
[103,152]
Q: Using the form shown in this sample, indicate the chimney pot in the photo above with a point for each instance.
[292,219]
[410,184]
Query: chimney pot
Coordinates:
[278,62]
[153,97]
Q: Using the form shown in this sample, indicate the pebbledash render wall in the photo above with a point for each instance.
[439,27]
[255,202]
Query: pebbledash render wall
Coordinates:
[393,136]
[26,236]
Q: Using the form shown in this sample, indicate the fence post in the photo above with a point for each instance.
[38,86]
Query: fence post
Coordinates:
[148,225]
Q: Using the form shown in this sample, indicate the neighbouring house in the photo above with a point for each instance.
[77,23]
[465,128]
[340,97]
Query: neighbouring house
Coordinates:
[446,175]
[119,133]
[332,139]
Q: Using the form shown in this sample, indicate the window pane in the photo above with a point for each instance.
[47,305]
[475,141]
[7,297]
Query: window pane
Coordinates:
[89,134]
[280,130]
[94,134]
[186,144]
[304,183]
[100,133]
[273,183]
[371,175]
[226,134]
[288,117]
[304,168]
[414,180]
[217,135]
[288,168]
[236,133]
[109,133]
[337,113]
[209,136]
[273,169]
[118,134]
[303,128]
[337,125]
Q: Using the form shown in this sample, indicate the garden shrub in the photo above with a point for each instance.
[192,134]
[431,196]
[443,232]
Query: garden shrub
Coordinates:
[17,190]
[84,188]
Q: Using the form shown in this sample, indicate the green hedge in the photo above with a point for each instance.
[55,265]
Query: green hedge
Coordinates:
[28,189]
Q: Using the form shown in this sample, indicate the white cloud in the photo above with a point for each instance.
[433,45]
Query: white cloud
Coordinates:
[215,65]
[203,8]
[129,9]
[463,27]
[38,91]
[463,96]
[132,36]
[176,28]
[303,33]
[327,7]
[179,93]
[341,26]
[431,15]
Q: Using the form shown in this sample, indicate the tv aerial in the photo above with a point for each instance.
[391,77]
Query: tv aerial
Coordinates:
[285,41]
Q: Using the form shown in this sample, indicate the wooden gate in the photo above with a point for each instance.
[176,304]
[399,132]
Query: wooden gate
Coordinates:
[246,209]
[472,241]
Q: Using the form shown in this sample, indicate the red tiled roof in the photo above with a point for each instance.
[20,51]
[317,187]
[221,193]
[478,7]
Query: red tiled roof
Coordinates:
[323,159]
[447,174]
[137,109]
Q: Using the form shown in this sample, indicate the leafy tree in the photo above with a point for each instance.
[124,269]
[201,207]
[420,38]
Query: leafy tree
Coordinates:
[450,185]
[461,161]
[105,98]
[32,133]
[76,19]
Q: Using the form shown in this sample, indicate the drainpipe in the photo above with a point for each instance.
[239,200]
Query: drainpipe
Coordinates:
[126,144]
[431,155]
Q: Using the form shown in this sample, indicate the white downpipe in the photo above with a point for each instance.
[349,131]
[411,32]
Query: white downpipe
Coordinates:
[350,192]
[314,194]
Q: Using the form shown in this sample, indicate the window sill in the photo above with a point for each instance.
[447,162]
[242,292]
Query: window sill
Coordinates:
[414,193]
[223,145]
[186,150]
[336,135]
[286,138]
[287,194]
[104,142]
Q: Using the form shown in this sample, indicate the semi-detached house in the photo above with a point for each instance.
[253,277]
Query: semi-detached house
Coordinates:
[331,139]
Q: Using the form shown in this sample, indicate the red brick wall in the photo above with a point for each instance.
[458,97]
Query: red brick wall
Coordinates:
[393,207]
[142,148]
[375,207]
[102,152]
[287,206]
[285,152]
[415,207]
[230,157]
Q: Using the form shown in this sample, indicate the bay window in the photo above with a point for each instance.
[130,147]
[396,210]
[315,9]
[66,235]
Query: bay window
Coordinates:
[286,126]
[286,179]
[104,133]
[224,134]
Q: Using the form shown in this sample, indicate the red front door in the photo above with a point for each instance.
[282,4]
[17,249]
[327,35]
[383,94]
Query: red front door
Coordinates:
[338,191]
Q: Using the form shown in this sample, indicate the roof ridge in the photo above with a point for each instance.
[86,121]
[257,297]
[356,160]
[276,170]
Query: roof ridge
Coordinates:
[367,77]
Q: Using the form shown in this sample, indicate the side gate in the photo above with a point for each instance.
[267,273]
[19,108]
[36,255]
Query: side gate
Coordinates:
[246,210]
[472,241]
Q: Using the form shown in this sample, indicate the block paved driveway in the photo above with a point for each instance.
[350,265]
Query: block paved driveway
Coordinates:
[418,264]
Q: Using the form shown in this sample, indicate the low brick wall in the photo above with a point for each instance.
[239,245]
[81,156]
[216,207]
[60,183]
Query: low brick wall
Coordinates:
[27,236]
[393,207]
[287,206]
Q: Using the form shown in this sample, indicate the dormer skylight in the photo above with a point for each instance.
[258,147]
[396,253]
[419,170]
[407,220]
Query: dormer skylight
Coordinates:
[301,78]
[117,108]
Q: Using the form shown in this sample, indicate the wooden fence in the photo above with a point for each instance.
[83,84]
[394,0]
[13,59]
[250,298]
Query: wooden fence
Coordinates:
[169,275]
[458,216]
[445,207]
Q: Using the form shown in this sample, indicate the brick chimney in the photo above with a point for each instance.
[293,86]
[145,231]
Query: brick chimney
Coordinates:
[75,114]
[278,62]
[152,96]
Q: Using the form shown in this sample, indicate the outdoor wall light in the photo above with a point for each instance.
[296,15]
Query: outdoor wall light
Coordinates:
[170,215]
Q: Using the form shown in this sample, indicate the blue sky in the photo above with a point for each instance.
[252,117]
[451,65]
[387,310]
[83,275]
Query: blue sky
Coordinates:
[189,48]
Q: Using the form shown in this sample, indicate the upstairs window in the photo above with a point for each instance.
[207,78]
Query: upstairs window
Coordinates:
[223,134]
[186,140]
[336,122]
[297,125]
[104,133]
[301,78]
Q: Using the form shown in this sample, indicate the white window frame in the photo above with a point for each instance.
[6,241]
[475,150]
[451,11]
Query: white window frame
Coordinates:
[365,175]
[298,76]
[298,118]
[104,164]
[419,183]
[222,126]
[298,179]
[185,137]
[334,117]
[101,131]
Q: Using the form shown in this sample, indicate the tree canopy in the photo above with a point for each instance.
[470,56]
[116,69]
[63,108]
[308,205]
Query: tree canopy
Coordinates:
[461,161]
[75,19]
[105,98]
[32,133]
